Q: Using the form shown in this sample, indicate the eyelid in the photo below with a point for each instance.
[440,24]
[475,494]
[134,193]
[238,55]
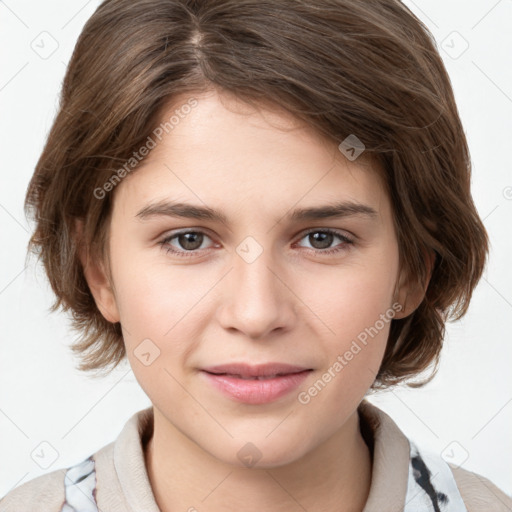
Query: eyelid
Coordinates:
[338,232]
[173,234]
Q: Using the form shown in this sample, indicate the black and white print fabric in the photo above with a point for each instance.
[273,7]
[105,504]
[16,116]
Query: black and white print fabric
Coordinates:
[431,486]
[80,487]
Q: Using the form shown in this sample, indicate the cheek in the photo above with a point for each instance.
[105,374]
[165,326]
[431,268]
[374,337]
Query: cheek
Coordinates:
[150,294]
[158,309]
[360,319]
[162,303]
[353,297]
[356,308]
[359,308]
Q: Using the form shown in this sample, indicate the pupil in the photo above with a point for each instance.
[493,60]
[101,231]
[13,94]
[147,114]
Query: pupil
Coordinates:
[191,241]
[325,239]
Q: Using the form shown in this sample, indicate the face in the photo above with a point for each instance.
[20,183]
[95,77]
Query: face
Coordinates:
[225,250]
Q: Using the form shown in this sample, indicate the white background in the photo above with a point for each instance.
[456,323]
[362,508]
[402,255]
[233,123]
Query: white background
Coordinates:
[465,412]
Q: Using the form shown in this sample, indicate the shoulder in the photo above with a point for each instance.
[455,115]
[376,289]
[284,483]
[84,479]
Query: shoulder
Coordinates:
[393,470]
[479,493]
[44,493]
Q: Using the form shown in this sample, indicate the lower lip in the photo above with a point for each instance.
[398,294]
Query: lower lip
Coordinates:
[255,391]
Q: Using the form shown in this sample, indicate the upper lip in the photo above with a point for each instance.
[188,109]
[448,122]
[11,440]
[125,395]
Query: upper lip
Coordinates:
[261,370]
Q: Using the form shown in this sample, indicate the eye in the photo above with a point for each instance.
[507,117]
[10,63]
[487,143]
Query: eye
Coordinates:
[321,239]
[187,243]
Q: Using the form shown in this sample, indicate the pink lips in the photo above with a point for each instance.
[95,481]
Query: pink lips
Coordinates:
[255,384]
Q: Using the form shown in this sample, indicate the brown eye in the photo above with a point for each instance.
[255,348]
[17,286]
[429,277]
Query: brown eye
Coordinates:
[185,243]
[190,241]
[321,240]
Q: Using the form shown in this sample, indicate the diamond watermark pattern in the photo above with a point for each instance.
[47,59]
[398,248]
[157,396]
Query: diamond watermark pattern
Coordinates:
[249,249]
[249,455]
[45,45]
[44,454]
[146,352]
[351,147]
[455,454]
[454,44]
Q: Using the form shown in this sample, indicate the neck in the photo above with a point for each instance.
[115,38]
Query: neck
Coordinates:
[335,476]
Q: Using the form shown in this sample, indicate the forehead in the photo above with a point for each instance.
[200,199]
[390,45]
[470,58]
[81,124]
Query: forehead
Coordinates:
[225,152]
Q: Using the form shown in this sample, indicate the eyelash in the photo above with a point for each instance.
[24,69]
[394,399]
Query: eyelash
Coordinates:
[187,254]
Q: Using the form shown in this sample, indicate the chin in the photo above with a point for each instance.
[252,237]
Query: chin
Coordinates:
[261,455]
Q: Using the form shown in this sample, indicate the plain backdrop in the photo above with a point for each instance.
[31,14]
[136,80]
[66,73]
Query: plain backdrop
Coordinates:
[48,408]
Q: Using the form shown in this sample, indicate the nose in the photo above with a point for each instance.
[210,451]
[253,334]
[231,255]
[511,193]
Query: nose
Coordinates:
[257,300]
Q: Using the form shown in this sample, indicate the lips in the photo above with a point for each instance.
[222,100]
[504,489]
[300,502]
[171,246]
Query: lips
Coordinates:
[255,384]
[260,372]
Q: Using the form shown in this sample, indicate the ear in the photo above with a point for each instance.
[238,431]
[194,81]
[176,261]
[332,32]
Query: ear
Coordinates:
[410,292]
[97,279]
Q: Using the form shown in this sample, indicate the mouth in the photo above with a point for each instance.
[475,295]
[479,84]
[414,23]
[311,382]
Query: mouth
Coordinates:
[256,384]
[262,371]
[237,376]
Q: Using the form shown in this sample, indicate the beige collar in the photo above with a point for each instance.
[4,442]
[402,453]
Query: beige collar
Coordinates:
[389,469]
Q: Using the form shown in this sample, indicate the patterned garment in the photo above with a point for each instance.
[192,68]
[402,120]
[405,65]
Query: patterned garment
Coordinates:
[430,487]
[80,487]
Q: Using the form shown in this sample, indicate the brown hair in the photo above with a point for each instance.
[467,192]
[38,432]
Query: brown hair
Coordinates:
[343,66]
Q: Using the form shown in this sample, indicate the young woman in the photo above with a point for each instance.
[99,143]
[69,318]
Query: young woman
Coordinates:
[265,207]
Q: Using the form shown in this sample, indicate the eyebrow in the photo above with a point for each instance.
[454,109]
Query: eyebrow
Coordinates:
[183,210]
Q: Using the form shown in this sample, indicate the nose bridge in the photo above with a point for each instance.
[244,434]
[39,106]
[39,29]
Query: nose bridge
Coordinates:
[257,301]
[254,279]
[252,270]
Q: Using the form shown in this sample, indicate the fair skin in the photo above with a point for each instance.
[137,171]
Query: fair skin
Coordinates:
[292,304]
